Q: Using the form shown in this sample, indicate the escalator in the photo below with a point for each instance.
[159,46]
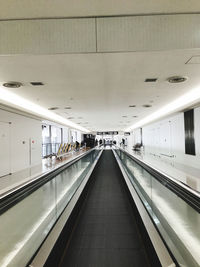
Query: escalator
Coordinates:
[108,230]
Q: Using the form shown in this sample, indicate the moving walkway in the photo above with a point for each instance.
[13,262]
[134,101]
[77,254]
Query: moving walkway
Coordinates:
[102,209]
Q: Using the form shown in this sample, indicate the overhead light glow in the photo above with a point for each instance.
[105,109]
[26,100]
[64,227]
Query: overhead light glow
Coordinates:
[189,98]
[26,105]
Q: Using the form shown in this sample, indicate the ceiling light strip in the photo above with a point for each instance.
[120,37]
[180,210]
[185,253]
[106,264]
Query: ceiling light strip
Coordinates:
[29,106]
[187,99]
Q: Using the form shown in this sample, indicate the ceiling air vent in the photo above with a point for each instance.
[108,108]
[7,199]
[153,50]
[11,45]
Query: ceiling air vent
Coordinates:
[151,80]
[36,83]
[12,84]
[176,79]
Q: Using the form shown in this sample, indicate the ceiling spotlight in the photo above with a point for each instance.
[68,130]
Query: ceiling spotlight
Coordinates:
[147,106]
[177,79]
[70,118]
[68,108]
[53,108]
[124,116]
[12,84]
[134,116]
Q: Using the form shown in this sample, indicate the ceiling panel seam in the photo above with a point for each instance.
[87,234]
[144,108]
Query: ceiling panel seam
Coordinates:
[103,16]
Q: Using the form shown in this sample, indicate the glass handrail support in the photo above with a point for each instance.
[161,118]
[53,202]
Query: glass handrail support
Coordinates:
[26,224]
[177,221]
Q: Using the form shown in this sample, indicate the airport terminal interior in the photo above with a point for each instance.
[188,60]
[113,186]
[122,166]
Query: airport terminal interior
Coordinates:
[100,133]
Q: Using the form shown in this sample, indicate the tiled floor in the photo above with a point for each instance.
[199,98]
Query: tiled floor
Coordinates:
[185,174]
[9,182]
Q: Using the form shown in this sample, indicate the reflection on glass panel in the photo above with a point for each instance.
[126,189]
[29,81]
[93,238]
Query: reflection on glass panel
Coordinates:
[24,226]
[69,180]
[177,222]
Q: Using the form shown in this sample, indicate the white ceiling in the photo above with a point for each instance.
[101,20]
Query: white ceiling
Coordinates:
[100,87]
[10,9]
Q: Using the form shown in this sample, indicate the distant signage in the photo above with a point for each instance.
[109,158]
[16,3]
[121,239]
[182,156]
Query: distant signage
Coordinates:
[107,133]
[127,133]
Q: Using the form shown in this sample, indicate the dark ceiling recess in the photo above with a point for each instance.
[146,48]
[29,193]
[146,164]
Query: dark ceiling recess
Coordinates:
[12,84]
[53,108]
[36,83]
[68,108]
[147,106]
[132,106]
[151,80]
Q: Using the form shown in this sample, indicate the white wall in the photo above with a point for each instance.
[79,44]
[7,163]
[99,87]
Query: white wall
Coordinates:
[167,138]
[4,148]
[25,136]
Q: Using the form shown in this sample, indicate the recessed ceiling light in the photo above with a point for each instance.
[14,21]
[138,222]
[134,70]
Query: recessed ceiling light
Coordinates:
[151,80]
[36,83]
[53,108]
[132,106]
[67,108]
[147,106]
[134,116]
[124,116]
[70,118]
[12,84]
[80,118]
[177,79]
